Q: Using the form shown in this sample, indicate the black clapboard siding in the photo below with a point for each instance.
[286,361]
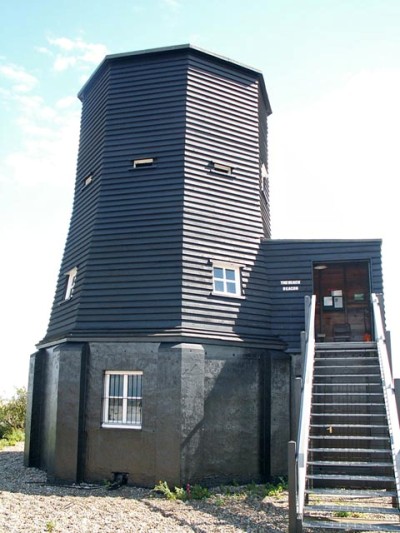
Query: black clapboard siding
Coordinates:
[127,220]
[143,239]
[64,314]
[293,260]
[222,219]
[263,147]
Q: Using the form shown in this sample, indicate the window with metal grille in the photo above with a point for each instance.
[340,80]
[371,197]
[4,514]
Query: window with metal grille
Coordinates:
[122,399]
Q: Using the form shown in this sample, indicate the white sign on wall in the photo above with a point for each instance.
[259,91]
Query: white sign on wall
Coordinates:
[290,284]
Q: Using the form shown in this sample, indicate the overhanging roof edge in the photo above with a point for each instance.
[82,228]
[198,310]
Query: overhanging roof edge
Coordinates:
[170,49]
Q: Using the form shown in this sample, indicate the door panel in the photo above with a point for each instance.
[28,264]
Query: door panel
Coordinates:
[343,301]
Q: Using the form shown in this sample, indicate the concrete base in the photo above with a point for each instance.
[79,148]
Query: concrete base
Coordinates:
[211,413]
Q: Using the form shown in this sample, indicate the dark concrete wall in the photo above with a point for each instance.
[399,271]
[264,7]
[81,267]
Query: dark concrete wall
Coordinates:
[210,413]
[202,413]
[192,410]
[168,446]
[33,410]
[53,418]
[278,401]
[113,449]
[232,410]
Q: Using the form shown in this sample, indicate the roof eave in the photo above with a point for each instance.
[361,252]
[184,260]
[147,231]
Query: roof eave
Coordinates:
[172,49]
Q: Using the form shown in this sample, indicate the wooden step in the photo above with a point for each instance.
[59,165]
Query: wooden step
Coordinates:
[347,346]
[348,430]
[319,374]
[350,493]
[357,450]
[352,509]
[374,417]
[351,463]
[346,477]
[340,387]
[346,361]
[341,371]
[349,396]
[350,438]
[356,454]
[350,526]
[365,408]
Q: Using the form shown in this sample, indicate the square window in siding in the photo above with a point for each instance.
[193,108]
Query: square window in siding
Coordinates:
[122,402]
[227,279]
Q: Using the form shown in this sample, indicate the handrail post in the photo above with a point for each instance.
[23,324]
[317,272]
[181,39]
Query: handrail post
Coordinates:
[396,383]
[305,409]
[294,524]
[388,387]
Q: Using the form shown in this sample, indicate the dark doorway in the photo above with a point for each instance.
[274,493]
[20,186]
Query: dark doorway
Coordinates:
[343,309]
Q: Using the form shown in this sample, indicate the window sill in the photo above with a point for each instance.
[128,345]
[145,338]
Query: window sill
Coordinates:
[120,426]
[144,167]
[228,295]
[66,300]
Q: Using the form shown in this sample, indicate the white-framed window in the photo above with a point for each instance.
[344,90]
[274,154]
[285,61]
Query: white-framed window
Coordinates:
[71,279]
[122,403]
[226,279]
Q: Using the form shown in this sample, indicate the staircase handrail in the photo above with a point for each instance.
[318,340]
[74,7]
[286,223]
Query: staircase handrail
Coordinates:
[388,387]
[305,404]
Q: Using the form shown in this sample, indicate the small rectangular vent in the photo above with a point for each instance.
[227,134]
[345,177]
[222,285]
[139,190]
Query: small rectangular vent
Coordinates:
[220,167]
[144,162]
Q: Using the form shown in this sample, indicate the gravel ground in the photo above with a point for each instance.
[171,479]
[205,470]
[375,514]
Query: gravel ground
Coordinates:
[28,504]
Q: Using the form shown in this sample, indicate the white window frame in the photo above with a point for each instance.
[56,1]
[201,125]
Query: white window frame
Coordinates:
[69,290]
[226,281]
[124,424]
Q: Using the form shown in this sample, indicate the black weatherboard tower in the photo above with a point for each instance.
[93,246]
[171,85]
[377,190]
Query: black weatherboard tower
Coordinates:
[169,347]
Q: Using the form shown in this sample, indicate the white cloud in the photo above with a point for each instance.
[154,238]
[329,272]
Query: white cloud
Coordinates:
[43,50]
[49,149]
[75,53]
[48,132]
[64,43]
[21,80]
[63,63]
[47,135]
[65,102]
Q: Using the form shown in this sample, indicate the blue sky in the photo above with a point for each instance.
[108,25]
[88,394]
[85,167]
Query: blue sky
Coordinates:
[332,71]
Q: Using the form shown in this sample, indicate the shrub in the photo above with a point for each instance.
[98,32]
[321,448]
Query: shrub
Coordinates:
[164,489]
[191,492]
[12,416]
[197,492]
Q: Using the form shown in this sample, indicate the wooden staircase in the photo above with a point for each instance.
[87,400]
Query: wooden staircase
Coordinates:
[350,479]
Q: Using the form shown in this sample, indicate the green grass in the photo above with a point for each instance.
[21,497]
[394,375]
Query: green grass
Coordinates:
[222,494]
